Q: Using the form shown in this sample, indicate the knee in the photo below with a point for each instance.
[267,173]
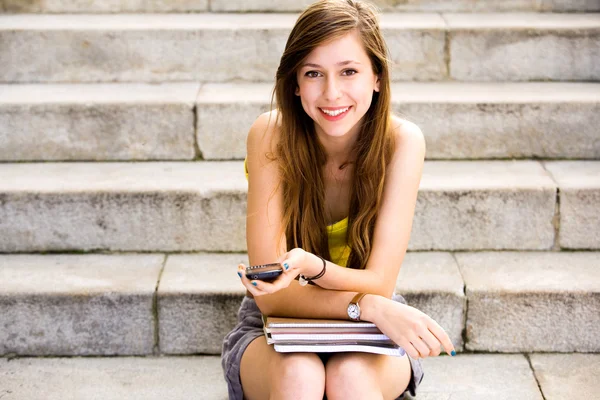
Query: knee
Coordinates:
[346,373]
[301,371]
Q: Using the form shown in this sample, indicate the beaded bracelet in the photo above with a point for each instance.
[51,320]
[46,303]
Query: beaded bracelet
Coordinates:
[304,280]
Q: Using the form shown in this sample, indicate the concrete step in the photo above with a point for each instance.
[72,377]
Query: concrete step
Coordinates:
[181,121]
[209,46]
[98,122]
[201,206]
[113,378]
[466,376]
[165,6]
[141,304]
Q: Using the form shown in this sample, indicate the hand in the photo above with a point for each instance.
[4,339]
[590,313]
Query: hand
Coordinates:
[417,333]
[295,260]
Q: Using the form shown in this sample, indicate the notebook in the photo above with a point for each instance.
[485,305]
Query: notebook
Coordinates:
[326,336]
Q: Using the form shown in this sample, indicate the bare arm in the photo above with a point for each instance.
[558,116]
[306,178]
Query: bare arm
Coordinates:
[314,302]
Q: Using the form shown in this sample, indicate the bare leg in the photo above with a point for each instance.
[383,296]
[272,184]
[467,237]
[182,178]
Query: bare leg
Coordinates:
[266,374]
[366,376]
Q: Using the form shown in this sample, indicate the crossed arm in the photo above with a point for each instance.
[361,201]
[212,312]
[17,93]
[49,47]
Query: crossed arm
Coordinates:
[390,240]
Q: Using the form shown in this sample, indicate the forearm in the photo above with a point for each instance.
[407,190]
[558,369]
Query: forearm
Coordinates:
[314,302]
[340,278]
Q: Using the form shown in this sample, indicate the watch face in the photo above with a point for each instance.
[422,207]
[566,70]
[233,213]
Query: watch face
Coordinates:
[353,311]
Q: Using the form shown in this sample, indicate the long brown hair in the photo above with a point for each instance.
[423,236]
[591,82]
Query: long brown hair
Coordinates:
[299,153]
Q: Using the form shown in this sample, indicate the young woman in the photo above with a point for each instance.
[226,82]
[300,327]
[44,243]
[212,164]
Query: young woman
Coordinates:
[332,187]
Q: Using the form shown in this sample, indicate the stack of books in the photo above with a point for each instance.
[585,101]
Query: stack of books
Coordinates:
[327,336]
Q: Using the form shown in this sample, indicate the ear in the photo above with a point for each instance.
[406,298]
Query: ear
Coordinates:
[377,83]
[297,92]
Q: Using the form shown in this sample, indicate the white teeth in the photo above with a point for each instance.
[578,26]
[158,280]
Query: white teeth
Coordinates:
[334,113]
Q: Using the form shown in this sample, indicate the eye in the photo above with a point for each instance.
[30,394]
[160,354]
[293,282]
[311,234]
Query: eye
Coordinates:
[351,70]
[311,72]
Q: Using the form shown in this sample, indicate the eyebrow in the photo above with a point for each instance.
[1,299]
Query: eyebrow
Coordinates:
[338,64]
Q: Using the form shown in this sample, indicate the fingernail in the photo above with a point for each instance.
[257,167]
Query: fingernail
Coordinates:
[239,274]
[254,283]
[286,265]
[453,353]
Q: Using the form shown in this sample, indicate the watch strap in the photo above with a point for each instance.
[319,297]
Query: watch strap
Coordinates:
[358,297]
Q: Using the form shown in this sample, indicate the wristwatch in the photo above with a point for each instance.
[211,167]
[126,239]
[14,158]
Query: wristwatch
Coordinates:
[354,308]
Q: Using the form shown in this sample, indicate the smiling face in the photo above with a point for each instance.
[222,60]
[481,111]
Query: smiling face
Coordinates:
[340,77]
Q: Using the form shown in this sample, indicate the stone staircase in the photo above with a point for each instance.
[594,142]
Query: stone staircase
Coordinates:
[122,193]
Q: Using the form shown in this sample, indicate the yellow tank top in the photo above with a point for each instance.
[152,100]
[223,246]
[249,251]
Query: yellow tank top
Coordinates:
[336,234]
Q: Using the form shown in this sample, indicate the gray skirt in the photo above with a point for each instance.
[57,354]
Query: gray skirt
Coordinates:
[250,326]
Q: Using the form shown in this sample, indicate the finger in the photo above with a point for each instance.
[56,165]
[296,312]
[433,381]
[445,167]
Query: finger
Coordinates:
[293,262]
[410,349]
[281,259]
[247,283]
[432,342]
[442,336]
[281,282]
[421,347]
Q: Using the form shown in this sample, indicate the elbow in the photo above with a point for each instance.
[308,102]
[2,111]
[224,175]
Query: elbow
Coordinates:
[385,292]
[383,287]
[387,289]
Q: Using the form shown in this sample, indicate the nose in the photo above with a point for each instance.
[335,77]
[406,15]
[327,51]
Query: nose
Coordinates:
[332,90]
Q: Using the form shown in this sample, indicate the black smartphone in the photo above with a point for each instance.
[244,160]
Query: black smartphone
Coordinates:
[264,272]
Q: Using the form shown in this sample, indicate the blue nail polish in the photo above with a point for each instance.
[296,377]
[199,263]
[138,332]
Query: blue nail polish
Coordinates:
[453,353]
[239,274]
[286,265]
[254,283]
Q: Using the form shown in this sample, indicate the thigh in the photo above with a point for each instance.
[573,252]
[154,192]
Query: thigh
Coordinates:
[260,364]
[389,373]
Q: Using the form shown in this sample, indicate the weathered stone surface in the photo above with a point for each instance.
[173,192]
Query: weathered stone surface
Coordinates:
[113,378]
[259,5]
[459,119]
[112,6]
[105,6]
[524,46]
[431,282]
[97,122]
[479,205]
[225,114]
[579,187]
[198,47]
[478,376]
[208,47]
[569,5]
[538,301]
[160,206]
[465,377]
[416,43]
[150,122]
[503,120]
[567,376]
[201,206]
[77,304]
[142,47]
[198,299]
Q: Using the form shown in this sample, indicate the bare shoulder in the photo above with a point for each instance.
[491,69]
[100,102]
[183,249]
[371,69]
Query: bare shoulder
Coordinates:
[261,147]
[407,132]
[264,132]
